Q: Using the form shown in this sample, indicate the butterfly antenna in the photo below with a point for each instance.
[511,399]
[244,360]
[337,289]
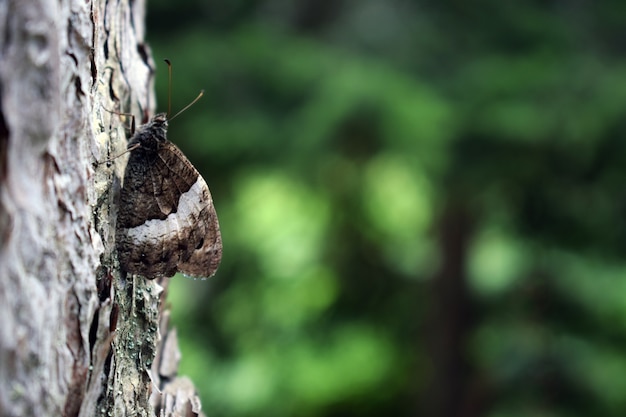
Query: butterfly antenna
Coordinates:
[169,94]
[188,105]
[169,87]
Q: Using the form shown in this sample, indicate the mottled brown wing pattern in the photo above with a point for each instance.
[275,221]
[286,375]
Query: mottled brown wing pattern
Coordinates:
[167,221]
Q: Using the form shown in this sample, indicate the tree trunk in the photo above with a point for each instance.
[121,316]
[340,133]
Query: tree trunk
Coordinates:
[77,337]
[451,391]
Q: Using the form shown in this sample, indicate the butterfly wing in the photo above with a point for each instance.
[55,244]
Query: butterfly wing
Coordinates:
[204,252]
[167,220]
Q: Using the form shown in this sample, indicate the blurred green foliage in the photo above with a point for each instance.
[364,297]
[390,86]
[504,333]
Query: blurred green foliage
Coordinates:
[422,205]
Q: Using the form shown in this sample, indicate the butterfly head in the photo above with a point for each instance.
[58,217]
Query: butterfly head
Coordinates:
[150,135]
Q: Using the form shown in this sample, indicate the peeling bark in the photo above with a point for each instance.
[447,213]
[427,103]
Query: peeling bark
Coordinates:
[77,337]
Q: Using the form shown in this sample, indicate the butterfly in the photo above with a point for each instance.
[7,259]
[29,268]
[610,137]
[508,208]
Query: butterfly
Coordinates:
[166,220]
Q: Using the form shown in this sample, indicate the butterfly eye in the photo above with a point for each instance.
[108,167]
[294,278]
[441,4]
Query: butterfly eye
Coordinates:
[200,244]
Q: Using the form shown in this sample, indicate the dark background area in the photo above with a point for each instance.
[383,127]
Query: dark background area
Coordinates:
[422,205]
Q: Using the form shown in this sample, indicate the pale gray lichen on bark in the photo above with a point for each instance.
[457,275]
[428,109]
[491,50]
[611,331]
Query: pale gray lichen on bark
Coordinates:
[77,337]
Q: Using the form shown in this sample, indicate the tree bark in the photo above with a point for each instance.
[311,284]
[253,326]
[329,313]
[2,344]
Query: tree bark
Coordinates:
[77,337]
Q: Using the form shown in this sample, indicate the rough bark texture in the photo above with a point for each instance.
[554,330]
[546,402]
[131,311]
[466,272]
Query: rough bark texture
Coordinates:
[77,338]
